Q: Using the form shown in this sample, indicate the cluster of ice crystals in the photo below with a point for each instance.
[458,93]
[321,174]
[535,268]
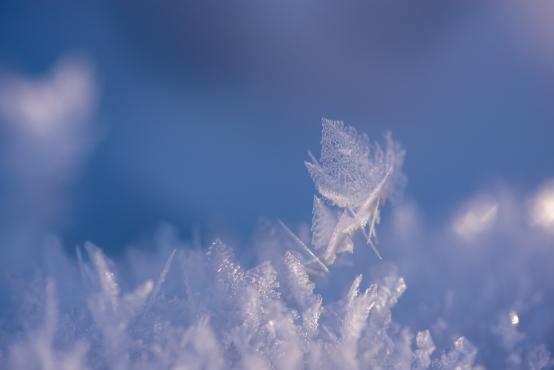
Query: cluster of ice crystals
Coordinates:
[217,314]
[248,319]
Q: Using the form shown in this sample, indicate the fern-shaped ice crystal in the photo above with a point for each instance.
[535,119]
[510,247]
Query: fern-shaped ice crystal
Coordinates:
[355,178]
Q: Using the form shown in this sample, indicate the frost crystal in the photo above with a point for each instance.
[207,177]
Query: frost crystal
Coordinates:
[461,356]
[425,348]
[356,178]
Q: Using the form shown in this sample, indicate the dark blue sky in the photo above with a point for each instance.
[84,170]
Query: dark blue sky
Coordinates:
[206,110]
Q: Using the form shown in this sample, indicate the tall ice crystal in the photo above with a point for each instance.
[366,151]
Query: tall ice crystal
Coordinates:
[356,178]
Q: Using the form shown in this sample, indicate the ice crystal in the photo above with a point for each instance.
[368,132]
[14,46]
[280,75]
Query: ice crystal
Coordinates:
[461,356]
[356,178]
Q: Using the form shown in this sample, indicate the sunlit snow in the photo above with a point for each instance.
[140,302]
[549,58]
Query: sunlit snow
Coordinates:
[542,207]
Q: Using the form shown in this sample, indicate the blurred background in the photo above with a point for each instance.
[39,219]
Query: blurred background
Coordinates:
[118,116]
[199,114]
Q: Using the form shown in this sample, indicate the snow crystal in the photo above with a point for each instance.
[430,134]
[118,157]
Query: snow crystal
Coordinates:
[356,178]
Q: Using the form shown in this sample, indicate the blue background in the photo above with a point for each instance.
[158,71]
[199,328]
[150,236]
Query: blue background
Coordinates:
[206,109]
